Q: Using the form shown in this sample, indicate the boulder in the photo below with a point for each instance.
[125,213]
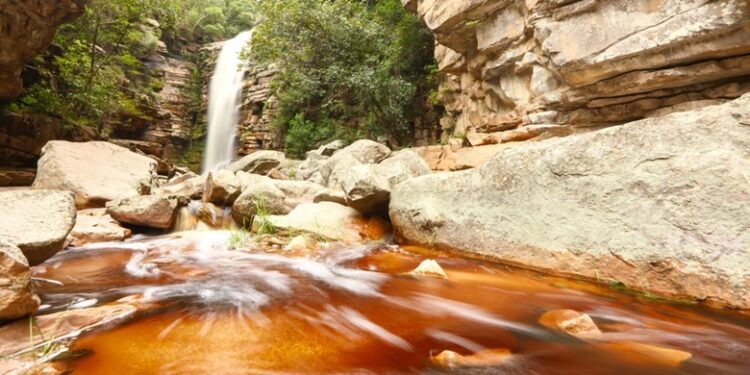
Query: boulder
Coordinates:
[364,151]
[37,221]
[277,197]
[17,299]
[367,187]
[310,166]
[259,162]
[327,149]
[325,219]
[570,322]
[96,172]
[188,185]
[222,187]
[95,225]
[154,211]
[658,204]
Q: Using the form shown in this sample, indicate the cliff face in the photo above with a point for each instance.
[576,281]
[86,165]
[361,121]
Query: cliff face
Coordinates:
[516,70]
[26,30]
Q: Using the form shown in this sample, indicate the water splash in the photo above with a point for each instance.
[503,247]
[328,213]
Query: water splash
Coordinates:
[223,102]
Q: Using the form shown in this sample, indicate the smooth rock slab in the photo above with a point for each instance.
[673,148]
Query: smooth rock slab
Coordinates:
[37,221]
[96,172]
[659,204]
[259,162]
[325,219]
[16,296]
[95,225]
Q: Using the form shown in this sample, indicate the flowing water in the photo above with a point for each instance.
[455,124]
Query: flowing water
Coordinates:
[224,94]
[355,309]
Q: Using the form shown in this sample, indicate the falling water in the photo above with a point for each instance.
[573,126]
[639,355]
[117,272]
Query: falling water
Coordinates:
[223,97]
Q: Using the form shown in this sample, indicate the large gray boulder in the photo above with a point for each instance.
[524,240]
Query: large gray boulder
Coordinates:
[277,197]
[154,211]
[16,297]
[37,221]
[222,187]
[367,187]
[661,205]
[188,185]
[96,172]
[365,151]
[259,162]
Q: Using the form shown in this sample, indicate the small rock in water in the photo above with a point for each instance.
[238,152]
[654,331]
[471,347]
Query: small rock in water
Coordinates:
[646,353]
[430,268]
[571,322]
[484,358]
[300,243]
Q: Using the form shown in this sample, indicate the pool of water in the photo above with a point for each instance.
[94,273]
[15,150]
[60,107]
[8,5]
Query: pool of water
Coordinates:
[356,309]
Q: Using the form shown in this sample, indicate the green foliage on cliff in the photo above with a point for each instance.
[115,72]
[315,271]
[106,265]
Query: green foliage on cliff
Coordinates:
[97,71]
[348,69]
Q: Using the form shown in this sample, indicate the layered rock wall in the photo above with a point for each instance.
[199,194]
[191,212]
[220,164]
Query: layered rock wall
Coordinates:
[517,70]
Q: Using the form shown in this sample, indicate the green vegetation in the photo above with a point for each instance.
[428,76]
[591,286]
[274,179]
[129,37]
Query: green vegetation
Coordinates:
[96,73]
[261,223]
[238,238]
[348,69]
[49,347]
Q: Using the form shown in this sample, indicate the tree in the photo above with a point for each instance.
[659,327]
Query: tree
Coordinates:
[348,69]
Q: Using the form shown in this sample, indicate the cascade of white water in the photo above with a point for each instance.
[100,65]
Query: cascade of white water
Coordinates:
[223,102]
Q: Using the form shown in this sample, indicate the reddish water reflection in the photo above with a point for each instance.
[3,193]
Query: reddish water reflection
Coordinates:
[353,310]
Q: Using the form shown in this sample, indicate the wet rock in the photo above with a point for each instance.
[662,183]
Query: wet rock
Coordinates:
[259,162]
[188,185]
[571,322]
[17,299]
[484,358]
[656,197]
[96,172]
[300,243]
[222,187]
[50,327]
[154,211]
[647,354]
[37,221]
[95,225]
[364,151]
[213,215]
[326,219]
[430,268]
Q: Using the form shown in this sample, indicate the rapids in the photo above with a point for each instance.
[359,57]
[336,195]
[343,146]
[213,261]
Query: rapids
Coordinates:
[355,309]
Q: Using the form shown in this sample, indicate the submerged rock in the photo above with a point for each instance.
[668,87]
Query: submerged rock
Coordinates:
[431,268]
[48,328]
[37,221]
[95,225]
[17,299]
[571,322]
[659,204]
[96,172]
[640,353]
[155,211]
[484,358]
[259,162]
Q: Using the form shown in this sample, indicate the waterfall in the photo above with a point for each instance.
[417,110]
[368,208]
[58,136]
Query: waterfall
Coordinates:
[224,95]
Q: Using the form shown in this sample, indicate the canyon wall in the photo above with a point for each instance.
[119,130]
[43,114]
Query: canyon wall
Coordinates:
[517,70]
[26,30]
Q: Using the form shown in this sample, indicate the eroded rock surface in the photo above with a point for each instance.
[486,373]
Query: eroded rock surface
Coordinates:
[37,221]
[95,225]
[154,211]
[96,172]
[658,204]
[28,27]
[523,69]
[16,297]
